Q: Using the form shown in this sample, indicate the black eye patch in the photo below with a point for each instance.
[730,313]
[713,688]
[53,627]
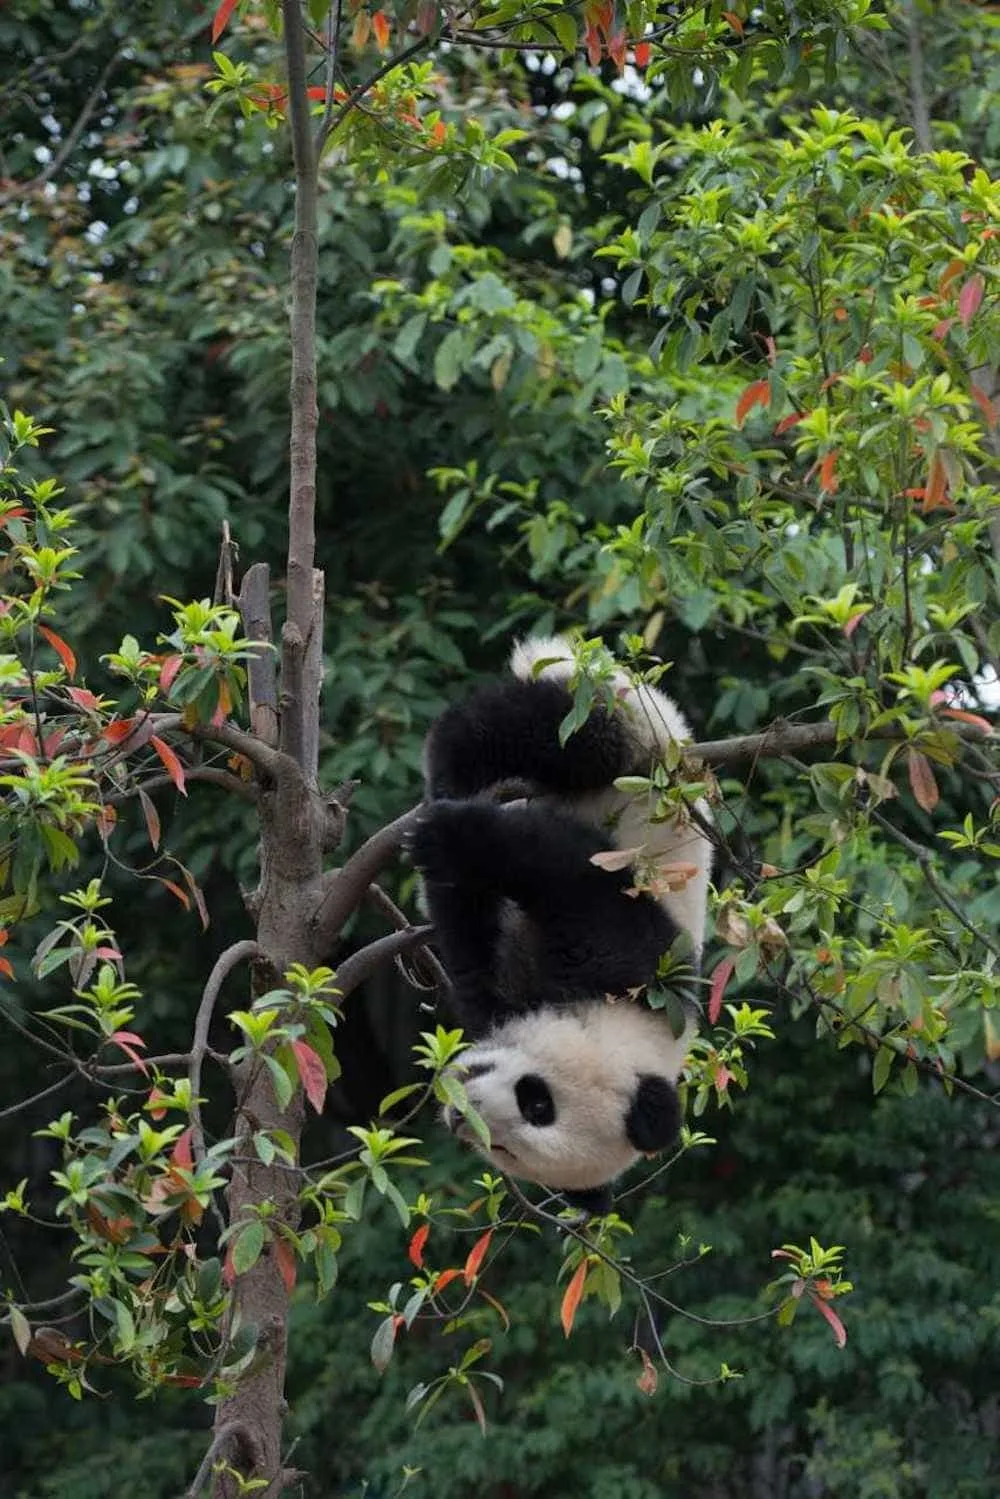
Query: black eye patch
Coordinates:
[534,1099]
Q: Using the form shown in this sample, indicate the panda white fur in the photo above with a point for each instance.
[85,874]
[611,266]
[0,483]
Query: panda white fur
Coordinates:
[574,1076]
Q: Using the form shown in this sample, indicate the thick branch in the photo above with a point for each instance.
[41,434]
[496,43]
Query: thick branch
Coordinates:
[239,952]
[300,619]
[345,888]
[919,112]
[361,964]
[783,738]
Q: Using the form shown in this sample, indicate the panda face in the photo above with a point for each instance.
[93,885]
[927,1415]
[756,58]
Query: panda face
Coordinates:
[573,1096]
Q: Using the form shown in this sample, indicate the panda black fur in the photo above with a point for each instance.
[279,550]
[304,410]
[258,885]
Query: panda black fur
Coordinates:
[572,1084]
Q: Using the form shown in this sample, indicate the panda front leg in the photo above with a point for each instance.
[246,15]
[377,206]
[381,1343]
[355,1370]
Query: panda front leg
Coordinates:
[593,937]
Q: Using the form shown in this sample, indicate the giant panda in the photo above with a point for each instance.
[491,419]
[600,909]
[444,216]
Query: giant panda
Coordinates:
[547,952]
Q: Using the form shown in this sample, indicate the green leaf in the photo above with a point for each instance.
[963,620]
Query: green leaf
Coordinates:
[247,1246]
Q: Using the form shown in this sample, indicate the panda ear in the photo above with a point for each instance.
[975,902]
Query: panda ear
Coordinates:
[654,1116]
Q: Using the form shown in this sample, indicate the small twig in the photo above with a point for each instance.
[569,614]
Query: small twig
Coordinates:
[223,592]
[925,859]
[355,969]
[214,773]
[235,1432]
[15,1108]
[369,83]
[333,20]
[239,952]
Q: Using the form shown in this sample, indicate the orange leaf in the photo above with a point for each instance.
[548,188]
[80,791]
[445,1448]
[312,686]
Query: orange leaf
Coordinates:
[361,30]
[476,1256]
[952,269]
[497,1306]
[317,92]
[922,782]
[789,421]
[642,53]
[284,1256]
[828,473]
[936,494]
[175,890]
[940,330]
[117,730]
[827,1311]
[82,697]
[221,18]
[973,718]
[5,968]
[439,132]
[445,1279]
[154,1103]
[171,764]
[60,647]
[415,1250]
[312,1074]
[380,26]
[720,978]
[734,21]
[571,1299]
[758,393]
[152,817]
[986,406]
[969,299]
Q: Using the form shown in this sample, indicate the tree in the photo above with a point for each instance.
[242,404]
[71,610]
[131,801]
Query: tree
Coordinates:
[202,670]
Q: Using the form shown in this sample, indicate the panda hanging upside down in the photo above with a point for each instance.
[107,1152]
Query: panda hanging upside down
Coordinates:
[574,1078]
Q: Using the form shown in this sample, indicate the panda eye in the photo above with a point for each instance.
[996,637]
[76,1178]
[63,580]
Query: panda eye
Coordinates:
[534,1099]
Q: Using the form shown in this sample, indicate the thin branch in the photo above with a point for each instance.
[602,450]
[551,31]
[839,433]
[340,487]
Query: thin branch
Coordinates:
[783,738]
[223,592]
[355,969]
[925,859]
[15,1108]
[345,888]
[239,952]
[76,130]
[214,773]
[235,1432]
[435,976]
[919,112]
[333,20]
[369,83]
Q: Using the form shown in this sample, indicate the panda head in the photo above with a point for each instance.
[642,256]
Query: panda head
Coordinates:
[574,1096]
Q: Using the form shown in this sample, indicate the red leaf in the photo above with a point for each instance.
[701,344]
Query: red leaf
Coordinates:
[168,672]
[476,1256]
[720,978]
[380,26]
[617,43]
[445,1279]
[853,622]
[642,53]
[827,1311]
[60,647]
[572,1297]
[171,764]
[789,421]
[228,1267]
[82,697]
[592,42]
[182,1155]
[865,354]
[497,1306]
[154,1105]
[284,1256]
[221,18]
[986,406]
[5,968]
[119,729]
[922,782]
[973,718]
[828,473]
[969,299]
[312,1074]
[941,329]
[317,92]
[128,1041]
[758,393]
[648,1379]
[734,21]
[952,269]
[415,1251]
[199,899]
[152,819]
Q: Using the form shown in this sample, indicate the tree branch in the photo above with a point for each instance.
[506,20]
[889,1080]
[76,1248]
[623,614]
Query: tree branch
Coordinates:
[355,969]
[76,130]
[213,773]
[239,952]
[369,83]
[15,1108]
[782,738]
[236,1433]
[345,888]
[255,610]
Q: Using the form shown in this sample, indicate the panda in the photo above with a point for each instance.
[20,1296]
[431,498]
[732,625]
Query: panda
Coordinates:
[545,949]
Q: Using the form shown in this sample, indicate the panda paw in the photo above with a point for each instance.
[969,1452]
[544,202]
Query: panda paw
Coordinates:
[440,840]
